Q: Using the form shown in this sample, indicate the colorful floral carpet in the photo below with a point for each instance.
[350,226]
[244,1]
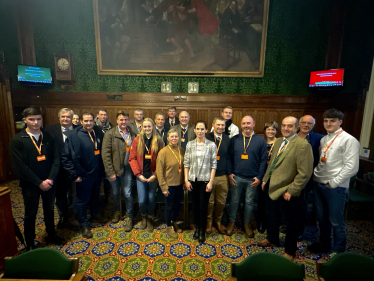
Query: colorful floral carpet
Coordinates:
[113,254]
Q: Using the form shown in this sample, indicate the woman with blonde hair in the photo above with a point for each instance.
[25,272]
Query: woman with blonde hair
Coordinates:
[143,155]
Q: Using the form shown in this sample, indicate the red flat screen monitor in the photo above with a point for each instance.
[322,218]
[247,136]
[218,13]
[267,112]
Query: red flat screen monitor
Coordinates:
[326,78]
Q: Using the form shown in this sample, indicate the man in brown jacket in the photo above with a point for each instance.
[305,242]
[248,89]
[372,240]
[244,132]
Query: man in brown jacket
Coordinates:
[115,152]
[289,170]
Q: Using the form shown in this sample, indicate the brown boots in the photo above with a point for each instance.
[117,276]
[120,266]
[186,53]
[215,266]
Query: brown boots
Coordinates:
[208,227]
[248,230]
[230,228]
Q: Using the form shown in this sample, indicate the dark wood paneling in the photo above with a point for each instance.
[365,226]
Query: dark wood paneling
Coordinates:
[262,108]
[8,243]
[7,129]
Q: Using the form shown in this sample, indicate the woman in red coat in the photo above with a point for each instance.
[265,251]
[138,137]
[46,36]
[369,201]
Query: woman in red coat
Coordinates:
[143,155]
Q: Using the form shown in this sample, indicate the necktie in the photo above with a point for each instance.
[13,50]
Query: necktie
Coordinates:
[218,140]
[277,158]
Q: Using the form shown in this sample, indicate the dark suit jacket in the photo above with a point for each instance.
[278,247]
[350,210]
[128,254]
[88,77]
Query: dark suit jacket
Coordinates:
[164,138]
[167,124]
[55,131]
[190,133]
[293,169]
[224,163]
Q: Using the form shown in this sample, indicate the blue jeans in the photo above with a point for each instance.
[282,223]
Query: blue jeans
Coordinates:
[330,203]
[88,191]
[147,196]
[173,203]
[236,190]
[124,181]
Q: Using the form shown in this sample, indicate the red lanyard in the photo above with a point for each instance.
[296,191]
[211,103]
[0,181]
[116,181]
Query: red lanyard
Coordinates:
[324,143]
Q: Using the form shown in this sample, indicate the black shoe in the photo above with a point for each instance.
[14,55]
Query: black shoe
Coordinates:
[282,228]
[54,239]
[317,248]
[86,232]
[202,236]
[30,246]
[70,202]
[63,222]
[99,219]
[196,234]
[260,227]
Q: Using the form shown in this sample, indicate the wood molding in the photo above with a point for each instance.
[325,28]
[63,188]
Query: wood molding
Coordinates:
[262,108]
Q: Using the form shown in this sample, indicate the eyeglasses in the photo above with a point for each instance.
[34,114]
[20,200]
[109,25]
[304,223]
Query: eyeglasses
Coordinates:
[306,123]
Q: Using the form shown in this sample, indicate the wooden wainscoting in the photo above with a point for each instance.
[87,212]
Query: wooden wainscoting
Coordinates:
[262,108]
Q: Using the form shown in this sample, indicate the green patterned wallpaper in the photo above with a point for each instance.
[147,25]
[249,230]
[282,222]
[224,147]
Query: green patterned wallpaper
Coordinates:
[296,45]
[358,46]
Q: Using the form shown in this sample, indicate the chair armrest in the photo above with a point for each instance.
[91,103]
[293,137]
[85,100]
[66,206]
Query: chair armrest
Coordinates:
[80,277]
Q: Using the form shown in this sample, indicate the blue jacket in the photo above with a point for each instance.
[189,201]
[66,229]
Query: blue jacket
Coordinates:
[314,141]
[78,157]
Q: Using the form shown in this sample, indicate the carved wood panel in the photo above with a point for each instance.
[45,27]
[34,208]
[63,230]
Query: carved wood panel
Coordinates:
[262,108]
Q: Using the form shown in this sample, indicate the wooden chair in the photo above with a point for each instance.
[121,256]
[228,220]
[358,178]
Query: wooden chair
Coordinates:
[266,266]
[346,266]
[42,263]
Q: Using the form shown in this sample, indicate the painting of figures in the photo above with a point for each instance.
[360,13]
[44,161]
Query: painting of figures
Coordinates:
[223,38]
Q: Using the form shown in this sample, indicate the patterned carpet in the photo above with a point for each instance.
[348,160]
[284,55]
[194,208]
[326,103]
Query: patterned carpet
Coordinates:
[113,254]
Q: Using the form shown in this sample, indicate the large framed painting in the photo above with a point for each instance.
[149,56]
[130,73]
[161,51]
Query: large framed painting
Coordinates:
[223,38]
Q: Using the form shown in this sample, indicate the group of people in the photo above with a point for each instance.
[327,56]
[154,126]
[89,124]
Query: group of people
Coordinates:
[172,154]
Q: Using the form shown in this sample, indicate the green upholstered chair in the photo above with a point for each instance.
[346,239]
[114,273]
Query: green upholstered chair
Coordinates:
[42,263]
[266,266]
[346,266]
[356,196]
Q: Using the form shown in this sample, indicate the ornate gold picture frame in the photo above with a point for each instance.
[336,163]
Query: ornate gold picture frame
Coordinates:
[220,38]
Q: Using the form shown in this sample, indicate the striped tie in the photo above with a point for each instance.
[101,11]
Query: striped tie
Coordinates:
[277,158]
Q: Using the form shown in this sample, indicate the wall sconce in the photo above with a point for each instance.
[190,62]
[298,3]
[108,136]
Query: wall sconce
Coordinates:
[193,87]
[165,87]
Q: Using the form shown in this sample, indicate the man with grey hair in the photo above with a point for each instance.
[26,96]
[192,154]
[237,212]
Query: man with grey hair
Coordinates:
[306,132]
[184,129]
[63,183]
[289,170]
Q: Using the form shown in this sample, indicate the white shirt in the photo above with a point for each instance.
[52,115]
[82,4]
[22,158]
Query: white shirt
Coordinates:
[63,129]
[199,153]
[35,136]
[234,130]
[342,160]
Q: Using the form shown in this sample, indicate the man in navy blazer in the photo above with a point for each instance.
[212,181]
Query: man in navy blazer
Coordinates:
[63,183]
[306,132]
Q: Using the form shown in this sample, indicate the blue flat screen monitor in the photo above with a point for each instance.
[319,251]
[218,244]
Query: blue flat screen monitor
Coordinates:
[34,74]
